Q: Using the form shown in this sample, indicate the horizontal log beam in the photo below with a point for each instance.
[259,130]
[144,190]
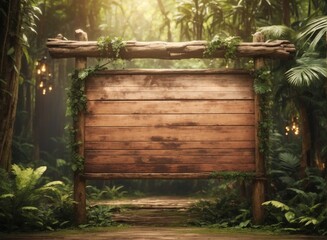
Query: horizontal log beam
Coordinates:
[167,50]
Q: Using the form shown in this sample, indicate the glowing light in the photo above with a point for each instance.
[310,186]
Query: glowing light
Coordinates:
[44,76]
[293,127]
[43,68]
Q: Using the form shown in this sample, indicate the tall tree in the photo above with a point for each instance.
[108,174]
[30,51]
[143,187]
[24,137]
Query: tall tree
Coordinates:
[15,14]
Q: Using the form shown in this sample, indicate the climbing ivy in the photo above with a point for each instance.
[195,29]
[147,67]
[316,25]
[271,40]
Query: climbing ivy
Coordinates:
[263,87]
[229,44]
[76,104]
[116,44]
[77,101]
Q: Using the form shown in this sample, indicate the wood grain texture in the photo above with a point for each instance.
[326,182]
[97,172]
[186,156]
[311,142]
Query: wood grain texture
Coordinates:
[200,133]
[162,145]
[167,50]
[149,122]
[175,152]
[193,175]
[170,107]
[170,86]
[166,168]
[149,79]
[93,159]
[160,120]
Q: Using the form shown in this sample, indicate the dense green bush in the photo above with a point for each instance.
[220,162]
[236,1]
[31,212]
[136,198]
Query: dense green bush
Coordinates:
[27,203]
[104,193]
[231,207]
[302,205]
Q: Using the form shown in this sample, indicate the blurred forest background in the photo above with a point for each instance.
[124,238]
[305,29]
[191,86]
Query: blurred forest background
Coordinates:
[33,134]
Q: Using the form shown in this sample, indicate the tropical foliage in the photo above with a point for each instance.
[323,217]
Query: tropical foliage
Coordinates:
[28,203]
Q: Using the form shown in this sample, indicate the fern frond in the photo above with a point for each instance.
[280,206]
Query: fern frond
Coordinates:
[277,204]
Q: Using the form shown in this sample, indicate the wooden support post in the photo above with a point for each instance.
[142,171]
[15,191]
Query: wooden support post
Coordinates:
[79,180]
[258,196]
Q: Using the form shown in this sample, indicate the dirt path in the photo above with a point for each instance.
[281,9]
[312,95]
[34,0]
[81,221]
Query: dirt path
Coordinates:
[164,218]
[157,233]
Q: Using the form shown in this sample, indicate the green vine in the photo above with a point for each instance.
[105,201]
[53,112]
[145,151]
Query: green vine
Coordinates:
[76,103]
[263,87]
[116,44]
[77,100]
[229,44]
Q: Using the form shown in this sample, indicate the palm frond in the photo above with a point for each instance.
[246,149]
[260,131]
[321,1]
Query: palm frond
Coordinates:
[277,32]
[288,162]
[307,72]
[314,31]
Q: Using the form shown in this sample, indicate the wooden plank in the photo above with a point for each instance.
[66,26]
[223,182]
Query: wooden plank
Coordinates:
[168,145]
[172,152]
[100,159]
[180,71]
[170,81]
[210,133]
[170,107]
[113,89]
[165,168]
[194,175]
[107,94]
[169,120]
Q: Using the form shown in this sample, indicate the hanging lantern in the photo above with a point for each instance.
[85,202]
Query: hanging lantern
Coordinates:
[43,76]
[293,126]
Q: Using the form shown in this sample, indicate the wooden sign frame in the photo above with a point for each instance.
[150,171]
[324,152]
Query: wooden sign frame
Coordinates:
[93,127]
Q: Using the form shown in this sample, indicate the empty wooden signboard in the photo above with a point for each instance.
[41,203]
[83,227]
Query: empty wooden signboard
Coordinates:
[144,123]
[168,123]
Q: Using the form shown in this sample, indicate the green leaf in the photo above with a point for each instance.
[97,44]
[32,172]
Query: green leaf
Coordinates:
[30,208]
[54,183]
[8,195]
[308,221]
[314,31]
[11,51]
[308,71]
[277,204]
[290,216]
[244,224]
[298,191]
[277,32]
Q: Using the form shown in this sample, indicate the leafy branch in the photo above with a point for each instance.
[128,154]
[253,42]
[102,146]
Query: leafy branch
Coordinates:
[106,44]
[229,44]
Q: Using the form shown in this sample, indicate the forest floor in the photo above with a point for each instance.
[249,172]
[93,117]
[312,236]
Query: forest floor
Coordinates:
[155,218]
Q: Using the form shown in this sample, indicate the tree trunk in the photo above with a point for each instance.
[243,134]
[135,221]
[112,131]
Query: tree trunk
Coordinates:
[167,20]
[286,13]
[306,139]
[80,18]
[10,64]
